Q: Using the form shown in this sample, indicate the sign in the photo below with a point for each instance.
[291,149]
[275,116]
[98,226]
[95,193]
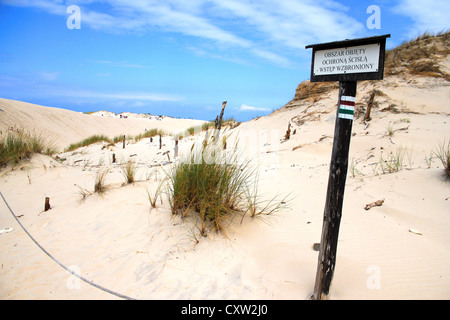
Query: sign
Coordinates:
[349,60]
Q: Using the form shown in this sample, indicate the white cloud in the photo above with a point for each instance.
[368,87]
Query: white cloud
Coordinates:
[266,29]
[49,76]
[431,16]
[133,96]
[245,107]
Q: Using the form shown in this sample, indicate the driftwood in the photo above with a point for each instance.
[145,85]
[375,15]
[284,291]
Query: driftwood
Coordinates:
[374,204]
[167,153]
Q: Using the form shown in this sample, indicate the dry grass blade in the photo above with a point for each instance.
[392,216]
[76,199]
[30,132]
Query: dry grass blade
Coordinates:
[128,171]
[442,152]
[100,185]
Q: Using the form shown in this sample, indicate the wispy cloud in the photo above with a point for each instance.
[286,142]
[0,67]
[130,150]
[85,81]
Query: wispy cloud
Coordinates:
[120,64]
[29,85]
[265,29]
[433,17]
[131,96]
[49,76]
[245,107]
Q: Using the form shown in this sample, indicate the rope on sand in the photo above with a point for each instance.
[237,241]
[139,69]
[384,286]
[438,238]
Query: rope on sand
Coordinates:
[63,266]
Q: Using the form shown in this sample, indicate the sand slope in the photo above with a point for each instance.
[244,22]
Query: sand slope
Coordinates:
[65,127]
[399,250]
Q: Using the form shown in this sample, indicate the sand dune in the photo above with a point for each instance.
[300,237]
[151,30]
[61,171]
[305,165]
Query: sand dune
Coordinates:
[399,250]
[65,127]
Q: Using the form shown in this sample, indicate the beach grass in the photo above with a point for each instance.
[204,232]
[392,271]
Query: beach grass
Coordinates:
[20,145]
[442,152]
[128,171]
[211,184]
[100,185]
[88,141]
[148,134]
[393,162]
[215,185]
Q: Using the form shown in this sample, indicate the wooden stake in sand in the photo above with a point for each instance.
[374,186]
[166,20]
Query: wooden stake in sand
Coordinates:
[113,158]
[369,106]
[160,141]
[176,149]
[287,136]
[123,141]
[221,115]
[47,204]
[347,62]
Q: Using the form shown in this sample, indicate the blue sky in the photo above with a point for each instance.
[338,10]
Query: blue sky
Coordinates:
[183,58]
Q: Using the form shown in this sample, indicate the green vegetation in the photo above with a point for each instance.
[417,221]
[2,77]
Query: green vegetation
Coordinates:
[442,152]
[148,134]
[419,56]
[119,138]
[393,162]
[88,141]
[128,171]
[100,185]
[214,186]
[17,146]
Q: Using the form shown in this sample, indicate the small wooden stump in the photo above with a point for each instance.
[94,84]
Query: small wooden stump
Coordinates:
[288,132]
[123,141]
[176,149]
[47,204]
[113,158]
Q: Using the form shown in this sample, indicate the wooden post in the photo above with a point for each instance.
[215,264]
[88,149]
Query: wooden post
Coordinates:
[113,158]
[221,115]
[287,136]
[335,192]
[160,141]
[369,106]
[123,141]
[347,71]
[176,149]
[47,204]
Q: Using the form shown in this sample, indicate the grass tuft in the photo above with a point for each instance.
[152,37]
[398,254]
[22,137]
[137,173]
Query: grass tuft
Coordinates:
[100,186]
[442,152]
[20,145]
[129,171]
[214,185]
[88,141]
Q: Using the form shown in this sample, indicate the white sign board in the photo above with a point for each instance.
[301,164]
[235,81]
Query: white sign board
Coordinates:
[346,60]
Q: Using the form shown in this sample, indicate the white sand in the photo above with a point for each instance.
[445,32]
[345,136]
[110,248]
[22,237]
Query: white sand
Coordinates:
[118,242]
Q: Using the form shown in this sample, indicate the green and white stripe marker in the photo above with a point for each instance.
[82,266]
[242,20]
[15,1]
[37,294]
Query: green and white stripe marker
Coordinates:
[346,107]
